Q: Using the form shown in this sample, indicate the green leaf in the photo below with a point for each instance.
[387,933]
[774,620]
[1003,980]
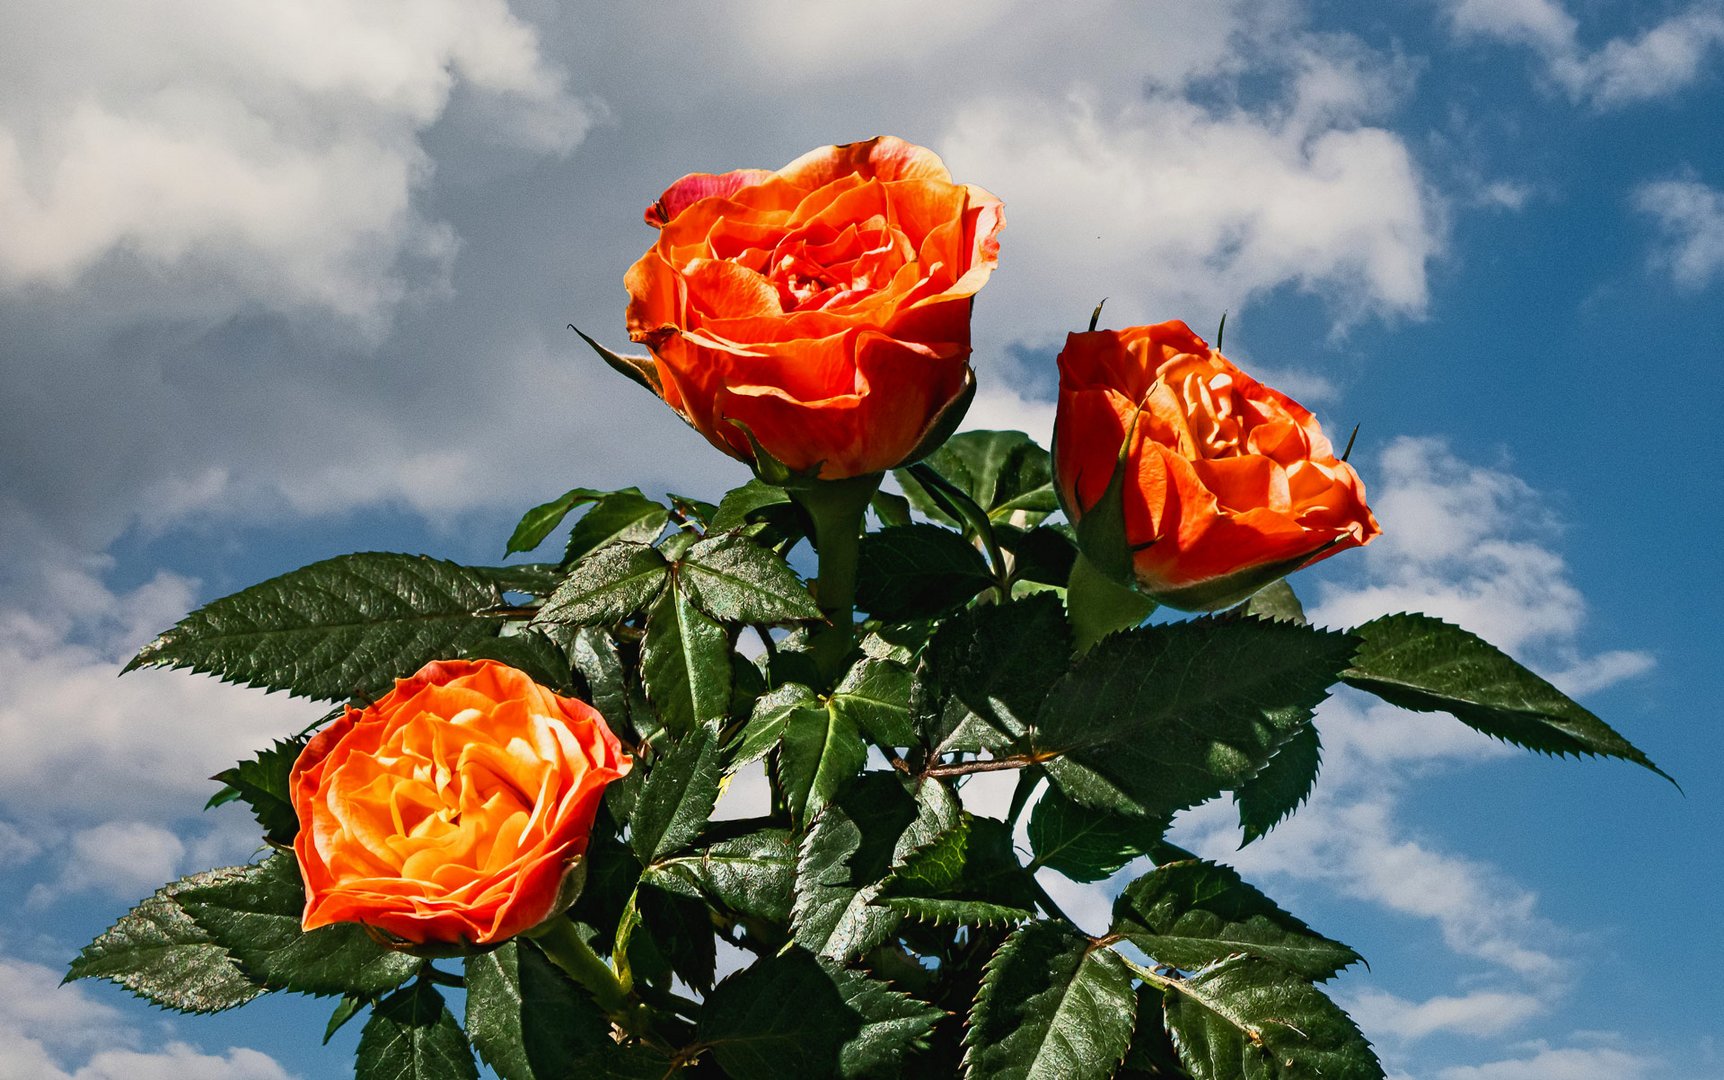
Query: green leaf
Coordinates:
[532,651]
[1052,1006]
[261,783]
[674,938]
[766,724]
[744,505]
[1044,554]
[537,523]
[986,673]
[819,752]
[782,1017]
[1270,797]
[594,654]
[1086,843]
[678,795]
[346,1009]
[698,511]
[890,509]
[622,517]
[875,697]
[412,1036]
[343,628]
[528,1020]
[917,572]
[161,954]
[607,587]
[533,579]
[1251,1018]
[1161,718]
[873,824]
[254,913]
[1003,471]
[750,875]
[1422,663]
[685,663]
[1192,914]
[1275,601]
[967,868]
[1152,1055]
[894,1025]
[732,578]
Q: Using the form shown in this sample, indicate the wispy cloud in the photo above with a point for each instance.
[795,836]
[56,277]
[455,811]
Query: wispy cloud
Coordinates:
[1690,218]
[1661,60]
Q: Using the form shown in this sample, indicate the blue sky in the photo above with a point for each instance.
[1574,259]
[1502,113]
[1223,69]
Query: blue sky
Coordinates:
[278,283]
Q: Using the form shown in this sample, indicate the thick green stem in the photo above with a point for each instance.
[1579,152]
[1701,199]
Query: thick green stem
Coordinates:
[1097,605]
[837,507]
[560,941]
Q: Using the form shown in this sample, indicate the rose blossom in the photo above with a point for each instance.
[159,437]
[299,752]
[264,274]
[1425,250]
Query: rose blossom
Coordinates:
[451,810]
[823,309]
[1227,484]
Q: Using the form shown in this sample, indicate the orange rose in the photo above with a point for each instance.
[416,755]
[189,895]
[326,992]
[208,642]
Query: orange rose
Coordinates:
[1226,484]
[824,308]
[451,810]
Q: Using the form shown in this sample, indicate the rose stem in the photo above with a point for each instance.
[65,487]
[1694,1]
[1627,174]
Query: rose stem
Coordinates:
[562,943]
[837,507]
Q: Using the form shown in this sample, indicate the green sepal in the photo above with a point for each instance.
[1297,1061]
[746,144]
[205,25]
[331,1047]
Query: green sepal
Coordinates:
[640,370]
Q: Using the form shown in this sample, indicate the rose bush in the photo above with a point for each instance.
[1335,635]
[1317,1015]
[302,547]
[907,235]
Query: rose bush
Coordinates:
[1226,484]
[450,810]
[823,308]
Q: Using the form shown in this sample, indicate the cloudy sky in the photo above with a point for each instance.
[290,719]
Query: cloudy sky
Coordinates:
[279,281]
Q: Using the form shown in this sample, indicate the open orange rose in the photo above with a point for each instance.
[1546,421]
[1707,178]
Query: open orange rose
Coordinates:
[1226,484]
[823,309]
[452,809]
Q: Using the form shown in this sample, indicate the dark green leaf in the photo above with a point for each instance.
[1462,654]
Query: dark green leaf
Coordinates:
[893,1025]
[745,504]
[685,663]
[1251,1018]
[1425,664]
[782,1017]
[1003,471]
[698,511]
[1191,914]
[731,577]
[594,654]
[891,509]
[1275,600]
[533,579]
[678,929]
[530,651]
[1268,798]
[875,697]
[874,823]
[917,572]
[254,912]
[1161,718]
[537,523]
[607,587]
[819,752]
[750,875]
[412,1036]
[1052,1006]
[262,783]
[527,1019]
[987,671]
[346,1009]
[1152,1055]
[1087,843]
[344,628]
[160,954]
[678,795]
[626,517]
[771,715]
[972,862]
[1044,554]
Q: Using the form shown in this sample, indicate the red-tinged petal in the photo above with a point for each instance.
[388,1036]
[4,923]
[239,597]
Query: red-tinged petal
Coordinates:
[697,186]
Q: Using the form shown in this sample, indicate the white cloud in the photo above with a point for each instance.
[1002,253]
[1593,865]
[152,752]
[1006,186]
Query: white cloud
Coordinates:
[1690,219]
[1661,60]
[54,1032]
[126,859]
[1563,1063]
[1478,1013]
[268,154]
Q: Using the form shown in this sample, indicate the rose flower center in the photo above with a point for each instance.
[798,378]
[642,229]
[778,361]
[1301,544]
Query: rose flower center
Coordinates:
[818,267]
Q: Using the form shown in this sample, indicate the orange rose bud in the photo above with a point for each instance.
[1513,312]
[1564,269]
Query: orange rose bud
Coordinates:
[821,313]
[450,811]
[1189,479]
